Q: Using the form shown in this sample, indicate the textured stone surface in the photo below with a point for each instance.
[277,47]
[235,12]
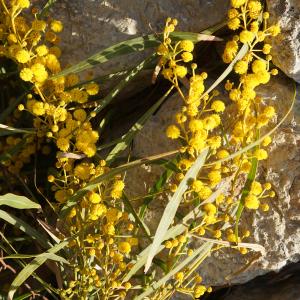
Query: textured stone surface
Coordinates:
[278,230]
[286,51]
[92,25]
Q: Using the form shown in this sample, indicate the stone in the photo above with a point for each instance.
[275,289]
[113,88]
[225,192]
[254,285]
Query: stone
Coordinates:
[277,230]
[286,46]
[92,25]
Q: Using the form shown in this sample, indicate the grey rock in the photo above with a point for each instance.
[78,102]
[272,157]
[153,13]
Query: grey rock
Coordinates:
[286,51]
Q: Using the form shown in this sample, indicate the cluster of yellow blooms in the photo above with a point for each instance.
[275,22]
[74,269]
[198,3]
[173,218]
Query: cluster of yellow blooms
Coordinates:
[201,123]
[59,115]
[104,232]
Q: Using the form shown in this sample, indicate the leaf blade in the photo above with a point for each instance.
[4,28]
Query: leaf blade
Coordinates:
[19,202]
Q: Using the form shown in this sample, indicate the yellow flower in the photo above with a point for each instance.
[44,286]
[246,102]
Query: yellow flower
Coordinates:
[218,106]
[39,25]
[197,185]
[173,132]
[39,72]
[109,229]
[94,197]
[237,3]
[232,13]
[187,56]
[23,56]
[56,26]
[82,171]
[80,115]
[259,66]
[63,144]
[186,45]
[38,108]
[118,185]
[256,188]
[267,48]
[41,50]
[26,74]
[254,27]
[61,196]
[234,23]
[23,3]
[261,154]
[214,176]
[222,154]
[179,276]
[92,89]
[266,141]
[204,193]
[251,202]
[246,36]
[254,9]
[180,71]
[269,111]
[124,247]
[241,67]
[195,125]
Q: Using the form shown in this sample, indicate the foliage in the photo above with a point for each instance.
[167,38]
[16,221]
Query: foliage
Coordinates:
[87,230]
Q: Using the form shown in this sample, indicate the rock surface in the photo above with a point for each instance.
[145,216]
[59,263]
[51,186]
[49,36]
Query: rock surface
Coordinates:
[286,51]
[278,230]
[93,25]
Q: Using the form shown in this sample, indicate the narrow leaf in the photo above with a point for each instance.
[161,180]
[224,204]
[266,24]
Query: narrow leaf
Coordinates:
[19,202]
[172,206]
[7,130]
[32,266]
[23,226]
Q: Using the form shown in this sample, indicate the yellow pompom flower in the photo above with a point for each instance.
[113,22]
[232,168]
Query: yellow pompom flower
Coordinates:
[92,89]
[254,9]
[94,197]
[23,56]
[210,209]
[187,56]
[39,72]
[38,108]
[256,188]
[222,154]
[234,23]
[267,48]
[269,111]
[197,185]
[26,74]
[41,50]
[82,171]
[119,185]
[274,30]
[180,71]
[252,202]
[218,106]
[56,26]
[23,3]
[63,144]
[246,36]
[80,114]
[109,229]
[259,66]
[186,45]
[241,67]
[261,154]
[195,125]
[237,3]
[124,247]
[61,196]
[204,193]
[266,141]
[173,132]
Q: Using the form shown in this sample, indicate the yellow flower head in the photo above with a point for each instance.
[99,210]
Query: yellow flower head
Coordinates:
[218,106]
[124,247]
[56,26]
[251,202]
[23,56]
[26,74]
[246,36]
[237,3]
[173,132]
[186,45]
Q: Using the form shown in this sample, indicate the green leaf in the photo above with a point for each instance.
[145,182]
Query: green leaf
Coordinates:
[33,265]
[172,206]
[128,137]
[8,130]
[23,226]
[118,88]
[51,256]
[19,202]
[137,219]
[129,46]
